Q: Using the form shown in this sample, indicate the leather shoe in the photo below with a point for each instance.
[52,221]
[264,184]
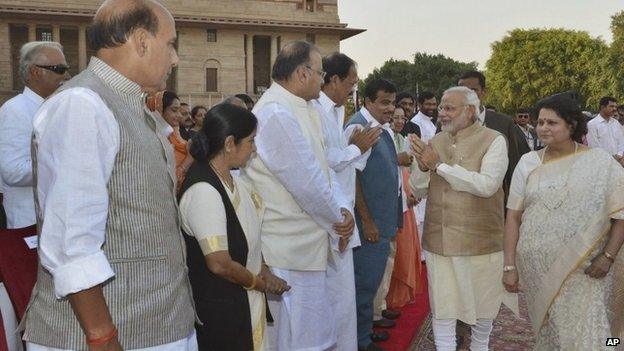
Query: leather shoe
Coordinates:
[384,323]
[372,347]
[391,314]
[379,336]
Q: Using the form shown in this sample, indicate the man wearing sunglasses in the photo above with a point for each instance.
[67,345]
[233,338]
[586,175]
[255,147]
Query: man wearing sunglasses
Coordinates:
[43,69]
[16,117]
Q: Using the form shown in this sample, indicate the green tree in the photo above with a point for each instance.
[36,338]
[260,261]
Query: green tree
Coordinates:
[425,73]
[614,66]
[527,65]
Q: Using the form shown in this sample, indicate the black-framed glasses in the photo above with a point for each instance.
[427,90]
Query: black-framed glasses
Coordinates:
[58,69]
[322,74]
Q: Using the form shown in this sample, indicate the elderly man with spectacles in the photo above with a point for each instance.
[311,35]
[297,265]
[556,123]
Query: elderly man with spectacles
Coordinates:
[461,170]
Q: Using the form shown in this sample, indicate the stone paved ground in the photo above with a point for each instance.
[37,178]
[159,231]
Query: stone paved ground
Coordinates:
[510,333]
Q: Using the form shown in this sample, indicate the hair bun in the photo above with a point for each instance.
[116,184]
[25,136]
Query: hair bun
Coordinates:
[200,147]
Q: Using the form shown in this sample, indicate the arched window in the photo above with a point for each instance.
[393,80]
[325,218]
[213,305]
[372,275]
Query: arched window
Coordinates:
[212,75]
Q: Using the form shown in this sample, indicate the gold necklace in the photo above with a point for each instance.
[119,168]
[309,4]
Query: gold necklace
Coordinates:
[229,184]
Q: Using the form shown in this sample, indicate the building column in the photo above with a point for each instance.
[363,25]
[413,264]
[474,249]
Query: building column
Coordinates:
[32,32]
[274,49]
[82,47]
[56,33]
[249,64]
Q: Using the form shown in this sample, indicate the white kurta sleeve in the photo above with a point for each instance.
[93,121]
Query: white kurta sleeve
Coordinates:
[15,136]
[78,139]
[203,216]
[490,177]
[287,154]
[339,159]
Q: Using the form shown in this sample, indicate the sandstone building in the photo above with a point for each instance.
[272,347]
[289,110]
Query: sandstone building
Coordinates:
[225,46]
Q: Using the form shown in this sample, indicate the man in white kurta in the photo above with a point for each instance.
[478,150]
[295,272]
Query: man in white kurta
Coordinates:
[604,131]
[462,172]
[16,127]
[344,156]
[305,211]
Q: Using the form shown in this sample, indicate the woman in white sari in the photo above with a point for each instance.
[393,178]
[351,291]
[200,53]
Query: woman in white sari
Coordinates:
[563,234]
[221,221]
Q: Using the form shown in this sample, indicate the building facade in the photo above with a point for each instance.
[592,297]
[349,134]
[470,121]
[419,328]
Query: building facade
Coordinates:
[225,46]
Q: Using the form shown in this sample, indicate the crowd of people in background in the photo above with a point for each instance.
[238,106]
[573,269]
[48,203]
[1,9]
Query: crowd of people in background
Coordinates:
[290,224]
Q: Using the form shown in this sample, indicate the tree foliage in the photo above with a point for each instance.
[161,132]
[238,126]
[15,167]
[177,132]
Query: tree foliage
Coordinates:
[615,61]
[425,73]
[527,65]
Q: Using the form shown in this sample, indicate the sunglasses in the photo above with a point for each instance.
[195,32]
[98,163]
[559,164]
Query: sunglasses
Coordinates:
[58,69]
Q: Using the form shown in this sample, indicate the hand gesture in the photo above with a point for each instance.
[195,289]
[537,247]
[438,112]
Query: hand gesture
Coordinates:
[426,156]
[412,201]
[273,284]
[370,232]
[405,160]
[344,229]
[510,281]
[365,138]
[599,267]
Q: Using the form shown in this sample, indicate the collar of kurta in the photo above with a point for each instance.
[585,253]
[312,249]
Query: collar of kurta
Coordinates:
[481,116]
[326,102]
[374,123]
[292,98]
[421,116]
[602,119]
[114,79]
[32,96]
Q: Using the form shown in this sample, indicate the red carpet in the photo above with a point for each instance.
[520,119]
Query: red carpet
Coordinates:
[408,325]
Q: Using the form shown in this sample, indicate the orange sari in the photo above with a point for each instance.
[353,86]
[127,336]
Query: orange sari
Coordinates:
[406,282]
[179,149]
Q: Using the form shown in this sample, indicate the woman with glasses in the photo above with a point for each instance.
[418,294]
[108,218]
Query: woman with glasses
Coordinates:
[221,221]
[564,230]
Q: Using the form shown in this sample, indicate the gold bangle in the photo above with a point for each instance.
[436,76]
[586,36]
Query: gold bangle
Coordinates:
[253,283]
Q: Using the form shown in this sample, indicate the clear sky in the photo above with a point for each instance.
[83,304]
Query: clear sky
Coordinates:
[460,29]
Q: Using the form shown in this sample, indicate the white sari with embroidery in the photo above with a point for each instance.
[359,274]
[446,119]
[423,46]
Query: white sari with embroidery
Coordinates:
[567,205]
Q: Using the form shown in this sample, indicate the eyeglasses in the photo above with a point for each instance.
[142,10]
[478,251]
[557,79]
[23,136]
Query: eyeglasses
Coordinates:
[58,69]
[449,108]
[322,74]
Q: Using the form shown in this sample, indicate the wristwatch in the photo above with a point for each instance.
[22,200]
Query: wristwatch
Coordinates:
[509,268]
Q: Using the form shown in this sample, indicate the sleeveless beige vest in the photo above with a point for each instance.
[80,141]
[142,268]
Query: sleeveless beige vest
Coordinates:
[458,223]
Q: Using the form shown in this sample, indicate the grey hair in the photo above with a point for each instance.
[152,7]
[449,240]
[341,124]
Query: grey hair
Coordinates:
[30,53]
[470,97]
[233,100]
